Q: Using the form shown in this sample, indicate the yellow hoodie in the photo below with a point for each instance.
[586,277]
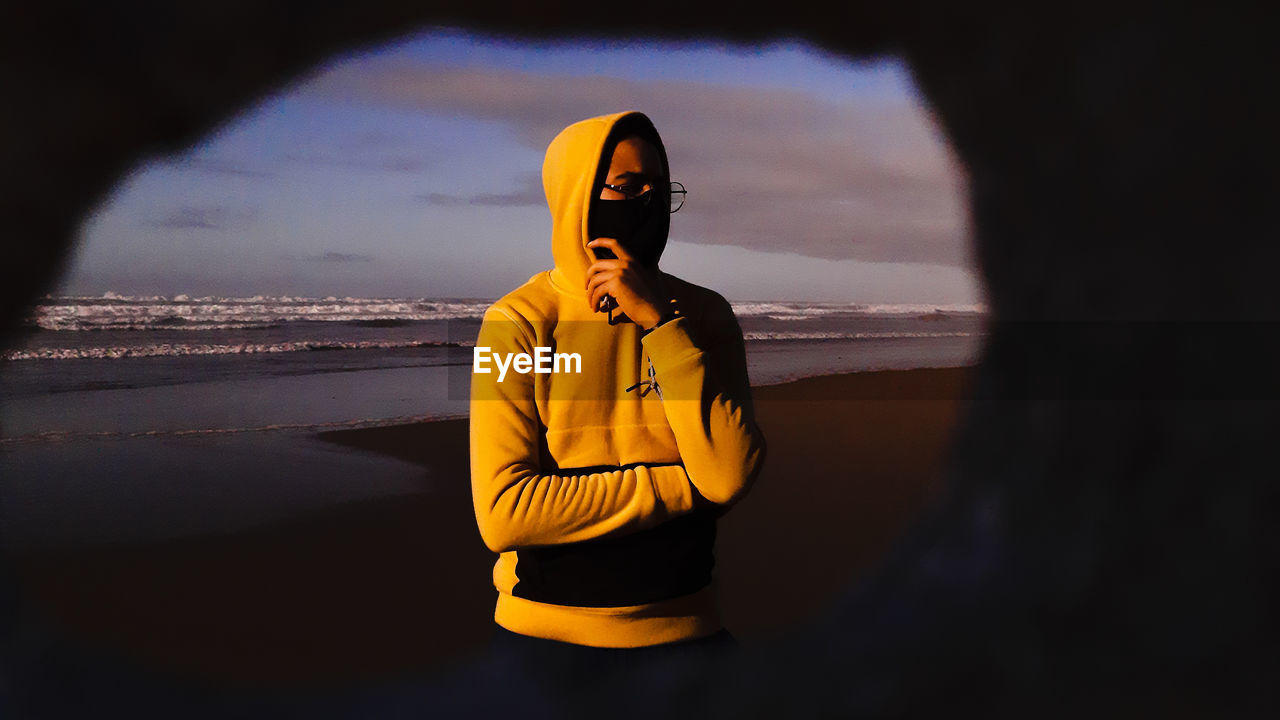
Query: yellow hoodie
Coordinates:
[602,501]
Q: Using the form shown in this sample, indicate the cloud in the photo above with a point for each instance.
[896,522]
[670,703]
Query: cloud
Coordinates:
[337,257]
[217,166]
[205,218]
[767,168]
[377,163]
[529,193]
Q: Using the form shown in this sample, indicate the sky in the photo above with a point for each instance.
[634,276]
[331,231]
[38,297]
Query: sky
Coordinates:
[413,170]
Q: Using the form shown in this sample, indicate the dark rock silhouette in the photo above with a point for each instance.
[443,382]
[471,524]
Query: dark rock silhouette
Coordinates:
[1108,541]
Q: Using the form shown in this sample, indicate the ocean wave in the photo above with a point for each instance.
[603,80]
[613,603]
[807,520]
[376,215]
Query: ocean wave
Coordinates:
[119,312]
[765,335]
[183,349]
[113,311]
[801,310]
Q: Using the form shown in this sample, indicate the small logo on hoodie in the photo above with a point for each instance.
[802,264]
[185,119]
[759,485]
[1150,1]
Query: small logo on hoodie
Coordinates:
[544,361]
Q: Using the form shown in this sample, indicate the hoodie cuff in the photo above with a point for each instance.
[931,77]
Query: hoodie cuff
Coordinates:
[669,343]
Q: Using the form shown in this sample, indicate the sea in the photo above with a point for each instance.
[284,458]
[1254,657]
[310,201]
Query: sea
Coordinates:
[130,419]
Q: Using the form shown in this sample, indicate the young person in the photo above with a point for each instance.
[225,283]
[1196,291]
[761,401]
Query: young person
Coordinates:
[600,488]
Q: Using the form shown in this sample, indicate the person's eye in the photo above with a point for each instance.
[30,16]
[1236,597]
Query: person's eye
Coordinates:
[633,189]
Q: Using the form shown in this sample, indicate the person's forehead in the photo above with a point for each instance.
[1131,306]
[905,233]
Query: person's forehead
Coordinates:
[635,155]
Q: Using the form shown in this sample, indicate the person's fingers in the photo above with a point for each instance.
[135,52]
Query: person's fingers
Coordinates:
[598,294]
[600,284]
[594,283]
[595,275]
[613,245]
[601,276]
[602,265]
[593,298]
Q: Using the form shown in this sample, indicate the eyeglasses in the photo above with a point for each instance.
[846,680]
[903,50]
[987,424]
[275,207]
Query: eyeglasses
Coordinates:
[675,200]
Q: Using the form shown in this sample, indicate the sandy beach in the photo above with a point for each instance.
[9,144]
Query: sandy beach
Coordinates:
[372,589]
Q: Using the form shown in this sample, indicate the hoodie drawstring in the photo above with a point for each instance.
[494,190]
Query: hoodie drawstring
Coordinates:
[650,384]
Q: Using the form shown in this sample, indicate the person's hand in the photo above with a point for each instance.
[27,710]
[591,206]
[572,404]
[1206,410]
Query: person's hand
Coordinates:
[638,290]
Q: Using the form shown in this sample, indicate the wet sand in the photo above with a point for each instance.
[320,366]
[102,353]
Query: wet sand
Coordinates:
[381,588]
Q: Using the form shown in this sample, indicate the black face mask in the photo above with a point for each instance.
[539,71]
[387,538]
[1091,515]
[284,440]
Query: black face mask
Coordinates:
[640,228]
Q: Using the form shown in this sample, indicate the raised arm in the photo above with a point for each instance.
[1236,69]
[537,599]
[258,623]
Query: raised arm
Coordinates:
[517,504]
[707,399]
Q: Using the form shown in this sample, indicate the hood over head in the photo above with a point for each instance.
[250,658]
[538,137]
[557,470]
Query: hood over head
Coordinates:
[573,173]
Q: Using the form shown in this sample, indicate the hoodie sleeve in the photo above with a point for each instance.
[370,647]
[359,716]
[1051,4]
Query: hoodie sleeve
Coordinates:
[516,503]
[707,399]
